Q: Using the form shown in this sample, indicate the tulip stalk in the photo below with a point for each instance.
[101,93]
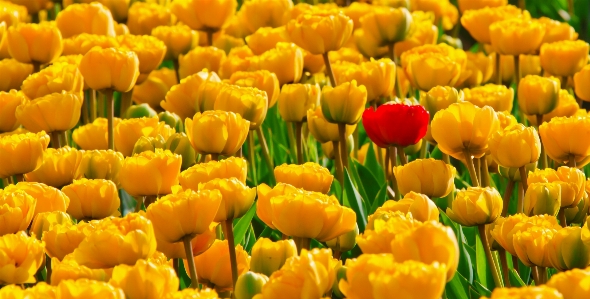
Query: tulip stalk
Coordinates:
[523,178]
[92,105]
[266,153]
[343,148]
[543,159]
[251,159]
[519,203]
[507,196]
[561,217]
[110,116]
[398,87]
[485,174]
[338,162]
[402,155]
[471,168]
[505,269]
[329,69]
[228,231]
[486,246]
[499,69]
[126,100]
[299,142]
[188,250]
[55,140]
[392,153]
[302,243]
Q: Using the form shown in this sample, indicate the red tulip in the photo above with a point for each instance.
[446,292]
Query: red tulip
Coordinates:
[396,124]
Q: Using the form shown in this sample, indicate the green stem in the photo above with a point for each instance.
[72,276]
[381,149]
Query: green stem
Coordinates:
[266,153]
[48,268]
[402,155]
[110,116]
[188,250]
[476,164]
[176,266]
[292,140]
[251,155]
[302,243]
[505,269]
[471,168]
[92,105]
[386,165]
[138,202]
[338,163]
[329,69]
[176,68]
[343,147]
[485,174]
[542,275]
[209,37]
[446,158]
[519,203]
[126,102]
[572,161]
[424,149]
[393,159]
[543,158]
[523,178]
[516,70]
[55,139]
[507,196]
[535,272]
[299,142]
[490,258]
[85,115]
[214,157]
[228,230]
[561,217]
[499,68]
[355,145]
[63,138]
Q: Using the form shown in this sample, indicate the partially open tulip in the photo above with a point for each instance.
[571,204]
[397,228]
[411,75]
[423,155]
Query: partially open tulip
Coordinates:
[266,38]
[155,88]
[179,39]
[262,80]
[532,245]
[324,217]
[110,69]
[232,128]
[526,292]
[17,209]
[515,146]
[117,241]
[357,282]
[571,180]
[566,106]
[430,69]
[564,138]
[475,206]
[387,25]
[396,124]
[23,6]
[90,288]
[542,198]
[498,97]
[320,32]
[150,173]
[204,15]
[21,258]
[150,52]
[46,220]
[91,18]
[198,59]
[250,284]
[419,241]
[566,250]
[237,198]
[249,102]
[9,101]
[343,104]
[213,266]
[82,43]
[259,13]
[482,68]
[564,58]
[344,242]
[196,93]
[367,45]
[48,199]
[431,177]
[296,99]
[515,36]
[412,279]
[61,239]
[578,213]
[286,61]
[144,17]
[323,130]
[34,43]
[102,164]
[465,5]
[227,42]
[464,128]
[538,95]
[422,208]
[128,131]
[22,153]
[145,280]
[57,78]
[54,112]
[557,31]
[16,72]
[582,90]
[440,97]
[572,284]
[231,167]
[60,167]
[269,256]
[265,195]
[309,176]
[382,228]
[378,76]
[92,199]
[191,212]
[68,269]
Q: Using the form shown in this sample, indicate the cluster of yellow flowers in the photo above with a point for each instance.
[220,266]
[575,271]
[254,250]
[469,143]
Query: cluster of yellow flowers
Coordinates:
[167,104]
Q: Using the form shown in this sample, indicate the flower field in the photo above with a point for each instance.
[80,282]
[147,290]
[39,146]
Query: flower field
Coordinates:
[288,149]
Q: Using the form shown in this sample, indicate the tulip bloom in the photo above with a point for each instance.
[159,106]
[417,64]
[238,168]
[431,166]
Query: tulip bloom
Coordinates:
[526,292]
[382,228]
[128,131]
[200,243]
[572,284]
[465,5]
[476,206]
[357,282]
[531,246]
[17,209]
[571,180]
[265,194]
[564,138]
[68,269]
[259,13]
[262,80]
[110,69]
[411,279]
[34,43]
[82,43]
[144,17]
[498,97]
[61,239]
[567,251]
[396,124]
[419,205]
[387,25]
[9,101]
[155,88]
[378,76]
[564,58]
[296,99]
[54,112]
[204,15]
[21,258]
[56,78]
[22,153]
[46,220]
[538,95]
[48,199]
[309,176]
[90,289]
[145,280]
[515,36]
[285,61]
[196,93]
[237,198]
[515,146]
[320,32]
[150,173]
[582,90]
[200,58]
[150,52]
[102,164]
[266,38]
[322,130]
[344,103]
[179,39]
[478,21]
[92,199]
[566,106]
[231,167]
[269,256]
[93,18]
[16,72]
[60,167]
[440,97]
[229,130]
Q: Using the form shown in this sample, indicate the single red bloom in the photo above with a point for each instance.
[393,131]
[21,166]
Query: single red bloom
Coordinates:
[396,124]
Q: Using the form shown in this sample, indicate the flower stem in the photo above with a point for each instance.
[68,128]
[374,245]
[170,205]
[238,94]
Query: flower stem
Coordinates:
[228,231]
[302,243]
[138,202]
[393,159]
[176,266]
[85,116]
[507,196]
[55,140]
[485,174]
[542,275]
[523,178]
[402,155]
[292,140]
[516,70]
[329,69]
[519,203]
[210,33]
[188,250]
[476,164]
[486,247]
[126,102]
[424,150]
[48,268]
[110,115]
[92,105]
[214,157]
[561,217]
[266,154]
[343,148]
[299,142]
[446,158]
[572,161]
[535,272]
[504,263]
[543,158]
[251,156]
[338,163]
[386,166]
[176,68]
[499,68]
[471,168]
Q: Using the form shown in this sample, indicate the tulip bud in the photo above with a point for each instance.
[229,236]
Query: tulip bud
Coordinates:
[531,245]
[249,284]
[344,242]
[565,138]
[578,213]
[145,144]
[102,164]
[296,99]
[322,130]
[440,97]
[538,95]
[320,32]
[309,176]
[172,120]
[433,178]
[476,206]
[226,131]
[542,198]
[344,103]
[567,250]
[179,143]
[46,220]
[340,276]
[139,111]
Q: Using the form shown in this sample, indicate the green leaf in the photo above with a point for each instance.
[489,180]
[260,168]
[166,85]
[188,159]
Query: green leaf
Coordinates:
[353,200]
[127,202]
[379,199]
[484,273]
[357,183]
[456,288]
[481,290]
[465,256]
[373,165]
[515,279]
[242,225]
[249,240]
[336,190]
[185,280]
[369,182]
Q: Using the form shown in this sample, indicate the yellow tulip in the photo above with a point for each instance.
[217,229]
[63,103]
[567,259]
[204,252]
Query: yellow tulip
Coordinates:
[213,266]
[17,209]
[102,164]
[91,18]
[296,99]
[49,199]
[269,256]
[498,97]
[475,206]
[22,153]
[464,128]
[231,167]
[227,42]
[564,138]
[238,59]
[538,95]
[150,52]
[204,293]
[92,199]
[445,13]
[320,32]
[419,205]
[557,31]
[15,13]
[155,88]
[431,177]
[566,106]
[204,15]
[45,221]
[515,36]
[367,45]
[378,76]
[266,38]
[440,97]
[150,173]
[428,70]
[144,17]
[322,130]
[91,289]
[191,212]
[60,167]
[515,146]
[465,5]
[68,269]
[200,58]
[410,279]
[32,7]
[84,42]
[566,250]
[110,69]
[16,72]
[419,241]
[232,128]
[571,180]
[578,213]
[387,25]
[62,239]
[425,32]
[145,280]
[249,102]
[286,61]
[481,68]
[324,217]
[128,131]
[9,101]
[572,284]
[237,198]
[478,21]
[262,80]
[51,113]
[382,228]
[572,57]
[309,176]
[20,259]
[200,243]
[93,136]
[259,13]
[582,90]
[34,43]
[196,93]
[356,10]
[179,39]
[265,194]
[129,239]
[358,282]
[525,292]
[344,104]
[542,198]
[532,245]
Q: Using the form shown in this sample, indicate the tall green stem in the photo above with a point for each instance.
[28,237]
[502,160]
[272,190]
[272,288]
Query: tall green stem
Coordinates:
[393,159]
[228,230]
[110,116]
[402,155]
[490,258]
[523,178]
[329,69]
[485,174]
[519,203]
[471,168]
[562,218]
[507,196]
[188,250]
[505,269]
[543,158]
[266,153]
[48,268]
[92,105]
[338,163]
[251,156]
[126,102]
[499,68]
[343,147]
[55,143]
[299,142]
